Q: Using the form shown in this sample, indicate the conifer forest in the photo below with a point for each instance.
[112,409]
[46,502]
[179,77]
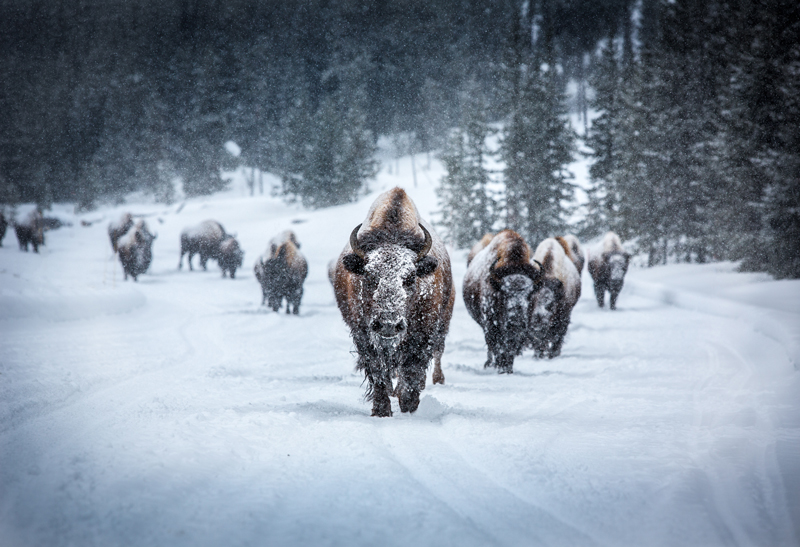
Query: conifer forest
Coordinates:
[689,110]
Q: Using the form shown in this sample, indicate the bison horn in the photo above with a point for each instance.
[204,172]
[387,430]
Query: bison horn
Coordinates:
[539,263]
[428,243]
[354,242]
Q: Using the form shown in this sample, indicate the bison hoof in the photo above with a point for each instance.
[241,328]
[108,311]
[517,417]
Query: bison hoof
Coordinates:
[438,378]
[382,411]
[409,401]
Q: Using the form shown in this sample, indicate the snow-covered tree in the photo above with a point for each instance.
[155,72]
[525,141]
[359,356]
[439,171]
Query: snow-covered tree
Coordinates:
[468,209]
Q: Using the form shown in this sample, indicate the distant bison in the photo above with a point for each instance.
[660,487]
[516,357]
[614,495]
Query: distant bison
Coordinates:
[30,230]
[135,250]
[3,226]
[281,272]
[119,228]
[553,302]
[395,291]
[210,241]
[499,290]
[231,256]
[608,265]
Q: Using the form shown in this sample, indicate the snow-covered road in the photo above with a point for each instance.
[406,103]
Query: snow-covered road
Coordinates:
[177,411]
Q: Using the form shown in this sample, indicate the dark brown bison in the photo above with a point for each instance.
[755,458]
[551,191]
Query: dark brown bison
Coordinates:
[553,302]
[205,239]
[119,228]
[135,250]
[30,230]
[608,265]
[499,289]
[281,272]
[3,226]
[574,250]
[395,290]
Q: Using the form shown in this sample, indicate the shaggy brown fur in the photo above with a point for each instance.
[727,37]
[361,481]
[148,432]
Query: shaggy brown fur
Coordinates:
[479,246]
[398,324]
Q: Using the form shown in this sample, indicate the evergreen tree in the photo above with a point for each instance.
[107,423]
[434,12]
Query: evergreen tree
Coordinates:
[330,154]
[603,138]
[537,145]
[468,210]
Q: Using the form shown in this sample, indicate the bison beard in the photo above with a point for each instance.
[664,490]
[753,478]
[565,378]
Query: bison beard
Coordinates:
[397,301]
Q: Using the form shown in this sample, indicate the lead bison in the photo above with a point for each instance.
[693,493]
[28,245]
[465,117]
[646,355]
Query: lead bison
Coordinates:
[119,228]
[281,272]
[395,291]
[553,302]
[135,250]
[607,266]
[30,230]
[210,241]
[499,289]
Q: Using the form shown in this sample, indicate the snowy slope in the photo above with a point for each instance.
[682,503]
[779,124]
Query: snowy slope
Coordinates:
[177,411]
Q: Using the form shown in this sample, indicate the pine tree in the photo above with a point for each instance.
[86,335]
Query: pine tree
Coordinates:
[329,154]
[468,210]
[603,138]
[537,146]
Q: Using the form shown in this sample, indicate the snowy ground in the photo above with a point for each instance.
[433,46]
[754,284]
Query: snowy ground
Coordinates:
[177,411]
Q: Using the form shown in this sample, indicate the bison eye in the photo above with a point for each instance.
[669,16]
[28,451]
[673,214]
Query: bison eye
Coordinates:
[409,280]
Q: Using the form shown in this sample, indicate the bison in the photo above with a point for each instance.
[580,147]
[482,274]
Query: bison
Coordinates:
[30,230]
[3,226]
[394,288]
[231,256]
[119,228]
[281,272]
[574,250]
[607,266]
[499,289]
[553,302]
[135,250]
[207,239]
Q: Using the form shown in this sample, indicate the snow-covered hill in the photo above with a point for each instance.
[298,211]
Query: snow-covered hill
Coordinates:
[178,411]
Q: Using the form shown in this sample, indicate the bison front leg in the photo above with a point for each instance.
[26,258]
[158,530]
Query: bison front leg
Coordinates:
[380,388]
[600,294]
[412,374]
[613,299]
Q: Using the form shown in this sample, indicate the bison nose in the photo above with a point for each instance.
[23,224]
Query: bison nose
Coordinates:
[390,328]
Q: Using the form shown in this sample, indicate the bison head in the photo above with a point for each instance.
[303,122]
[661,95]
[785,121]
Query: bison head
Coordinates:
[617,267]
[392,277]
[543,311]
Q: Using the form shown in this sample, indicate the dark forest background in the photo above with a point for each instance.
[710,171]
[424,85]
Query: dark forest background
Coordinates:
[697,147]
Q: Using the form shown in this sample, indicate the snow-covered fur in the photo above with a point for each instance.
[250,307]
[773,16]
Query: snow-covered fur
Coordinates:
[479,246]
[204,239]
[499,288]
[394,288]
[553,302]
[135,250]
[3,226]
[231,256]
[119,228]
[574,250]
[30,230]
[608,265]
[281,272]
